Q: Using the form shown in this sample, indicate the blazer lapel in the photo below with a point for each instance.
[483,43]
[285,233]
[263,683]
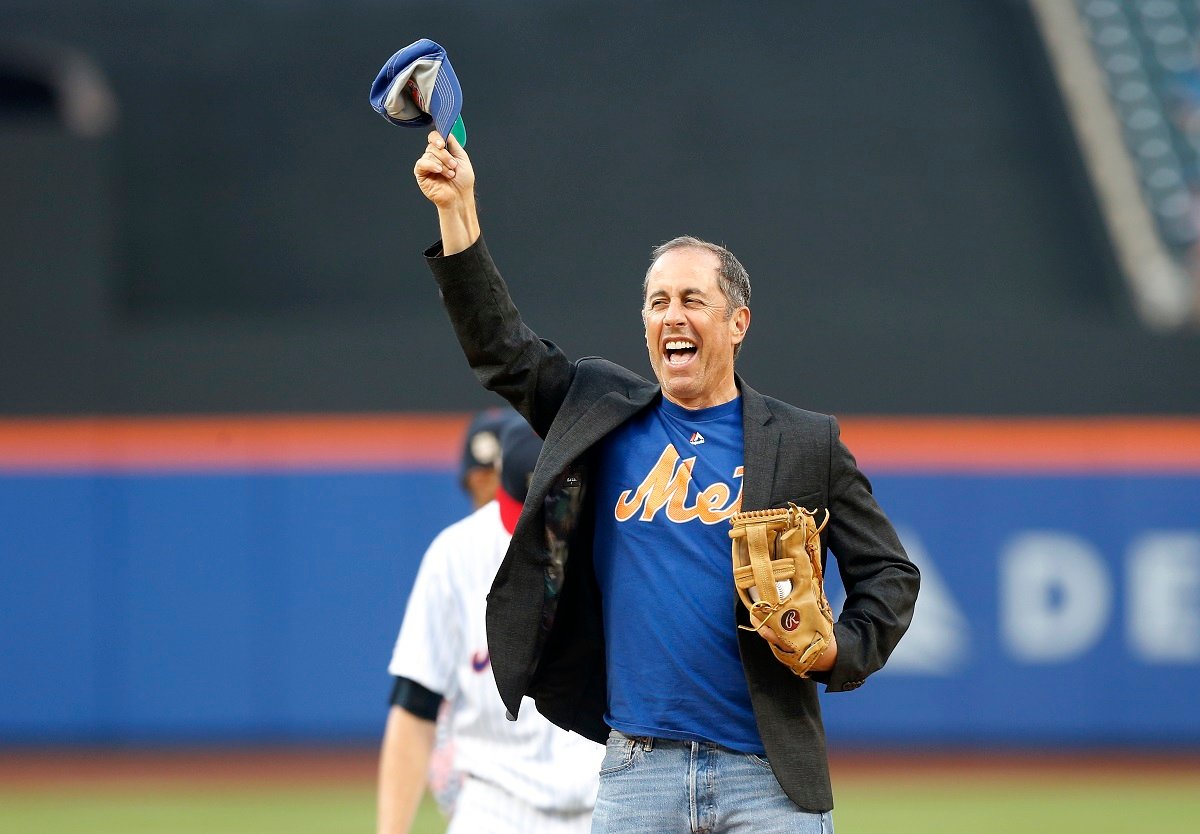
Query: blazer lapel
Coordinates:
[761,448]
[608,412]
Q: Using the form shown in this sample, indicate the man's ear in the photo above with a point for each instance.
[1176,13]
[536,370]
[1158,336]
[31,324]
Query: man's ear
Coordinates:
[739,323]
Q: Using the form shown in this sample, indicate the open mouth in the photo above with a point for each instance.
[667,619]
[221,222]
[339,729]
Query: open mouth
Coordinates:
[679,351]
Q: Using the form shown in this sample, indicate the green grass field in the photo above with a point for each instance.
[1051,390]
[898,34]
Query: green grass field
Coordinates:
[866,805]
[1029,807]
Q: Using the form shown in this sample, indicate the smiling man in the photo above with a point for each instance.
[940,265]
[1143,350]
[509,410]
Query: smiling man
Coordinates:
[614,607]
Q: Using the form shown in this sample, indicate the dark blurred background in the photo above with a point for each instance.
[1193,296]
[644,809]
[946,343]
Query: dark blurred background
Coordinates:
[201,213]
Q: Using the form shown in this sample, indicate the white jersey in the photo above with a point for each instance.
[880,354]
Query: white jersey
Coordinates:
[443,646]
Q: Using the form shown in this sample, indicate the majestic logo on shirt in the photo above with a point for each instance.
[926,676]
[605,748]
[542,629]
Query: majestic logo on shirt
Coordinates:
[696,439]
[480,661]
[665,488]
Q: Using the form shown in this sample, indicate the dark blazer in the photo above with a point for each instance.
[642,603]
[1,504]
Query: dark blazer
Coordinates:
[545,632]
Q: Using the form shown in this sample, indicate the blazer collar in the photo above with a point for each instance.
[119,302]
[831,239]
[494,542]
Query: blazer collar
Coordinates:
[761,439]
[754,405]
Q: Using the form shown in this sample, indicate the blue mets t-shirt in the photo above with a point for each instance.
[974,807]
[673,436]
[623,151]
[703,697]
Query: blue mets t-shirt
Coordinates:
[668,483]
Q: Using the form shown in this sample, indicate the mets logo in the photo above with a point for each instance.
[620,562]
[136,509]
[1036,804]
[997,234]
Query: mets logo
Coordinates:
[480,660]
[665,489]
[789,619]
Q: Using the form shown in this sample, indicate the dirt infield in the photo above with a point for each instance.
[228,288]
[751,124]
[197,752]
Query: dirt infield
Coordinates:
[266,767]
[181,767]
[992,766]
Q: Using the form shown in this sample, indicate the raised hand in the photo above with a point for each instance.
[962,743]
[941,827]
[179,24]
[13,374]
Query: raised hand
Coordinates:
[446,177]
[444,173]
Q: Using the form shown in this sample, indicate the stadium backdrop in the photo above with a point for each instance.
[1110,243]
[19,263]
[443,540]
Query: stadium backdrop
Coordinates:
[241,579]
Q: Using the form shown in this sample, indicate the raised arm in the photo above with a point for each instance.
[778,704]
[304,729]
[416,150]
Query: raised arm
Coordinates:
[446,178]
[505,354]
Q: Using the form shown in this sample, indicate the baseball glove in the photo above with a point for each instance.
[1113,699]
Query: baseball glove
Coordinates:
[777,572]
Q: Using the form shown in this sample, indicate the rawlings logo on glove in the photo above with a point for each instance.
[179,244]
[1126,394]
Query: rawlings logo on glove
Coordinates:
[777,572]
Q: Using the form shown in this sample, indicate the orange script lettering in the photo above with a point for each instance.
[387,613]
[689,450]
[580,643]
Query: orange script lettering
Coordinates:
[666,486]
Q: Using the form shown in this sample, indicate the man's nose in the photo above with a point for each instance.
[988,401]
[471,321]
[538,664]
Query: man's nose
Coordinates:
[674,312]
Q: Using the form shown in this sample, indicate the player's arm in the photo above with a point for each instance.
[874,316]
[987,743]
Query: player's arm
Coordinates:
[424,651]
[446,177]
[404,757]
[505,354]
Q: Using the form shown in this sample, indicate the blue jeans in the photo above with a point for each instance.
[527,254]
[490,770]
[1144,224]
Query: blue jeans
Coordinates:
[658,786]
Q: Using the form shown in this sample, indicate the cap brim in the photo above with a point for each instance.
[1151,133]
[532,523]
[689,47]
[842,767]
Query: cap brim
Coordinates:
[459,131]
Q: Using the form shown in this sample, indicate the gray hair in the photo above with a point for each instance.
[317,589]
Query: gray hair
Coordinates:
[732,277]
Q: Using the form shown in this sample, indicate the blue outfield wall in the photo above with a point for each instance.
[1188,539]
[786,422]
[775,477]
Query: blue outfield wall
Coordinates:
[1054,610]
[247,607]
[199,606]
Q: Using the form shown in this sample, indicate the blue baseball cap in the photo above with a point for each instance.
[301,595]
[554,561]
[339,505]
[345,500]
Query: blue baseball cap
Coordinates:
[481,445]
[417,87]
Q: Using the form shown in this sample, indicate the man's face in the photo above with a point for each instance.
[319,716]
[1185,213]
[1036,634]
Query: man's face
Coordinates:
[688,336]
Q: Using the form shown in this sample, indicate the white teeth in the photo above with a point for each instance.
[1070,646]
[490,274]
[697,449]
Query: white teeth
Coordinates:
[678,345]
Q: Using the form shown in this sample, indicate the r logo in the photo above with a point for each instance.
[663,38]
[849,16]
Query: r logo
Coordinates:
[789,620]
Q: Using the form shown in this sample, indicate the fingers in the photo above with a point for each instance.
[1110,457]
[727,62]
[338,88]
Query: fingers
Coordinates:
[436,159]
[429,163]
[774,639]
[437,143]
[457,150]
[771,637]
[451,145]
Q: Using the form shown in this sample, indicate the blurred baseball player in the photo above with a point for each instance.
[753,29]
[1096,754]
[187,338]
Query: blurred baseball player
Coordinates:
[479,477]
[526,776]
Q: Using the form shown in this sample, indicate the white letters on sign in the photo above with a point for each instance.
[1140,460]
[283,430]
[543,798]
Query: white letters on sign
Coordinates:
[1058,595]
[1163,575]
[938,640]
[1055,596]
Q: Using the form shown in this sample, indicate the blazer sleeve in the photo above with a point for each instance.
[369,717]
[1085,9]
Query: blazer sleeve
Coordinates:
[506,356]
[881,581]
